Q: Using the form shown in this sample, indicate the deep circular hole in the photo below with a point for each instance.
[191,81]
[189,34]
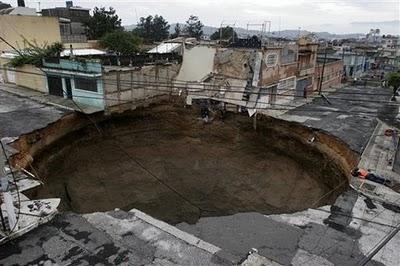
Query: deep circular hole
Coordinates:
[169,163]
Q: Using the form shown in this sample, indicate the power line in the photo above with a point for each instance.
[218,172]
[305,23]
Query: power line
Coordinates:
[141,165]
[285,107]
[288,107]
[186,85]
[221,99]
[183,197]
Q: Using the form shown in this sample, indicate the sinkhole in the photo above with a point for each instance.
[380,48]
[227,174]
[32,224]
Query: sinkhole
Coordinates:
[166,161]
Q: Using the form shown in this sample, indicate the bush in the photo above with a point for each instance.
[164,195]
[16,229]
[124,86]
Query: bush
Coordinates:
[34,54]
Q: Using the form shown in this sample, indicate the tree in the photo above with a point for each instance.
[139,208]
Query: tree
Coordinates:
[152,29]
[393,80]
[194,27]
[178,31]
[227,33]
[121,42]
[103,21]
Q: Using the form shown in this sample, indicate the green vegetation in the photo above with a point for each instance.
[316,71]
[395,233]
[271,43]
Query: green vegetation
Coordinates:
[152,29]
[227,33]
[121,42]
[194,27]
[178,31]
[34,54]
[103,21]
[393,80]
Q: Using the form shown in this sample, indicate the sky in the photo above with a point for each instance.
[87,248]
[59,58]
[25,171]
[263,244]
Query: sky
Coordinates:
[334,16]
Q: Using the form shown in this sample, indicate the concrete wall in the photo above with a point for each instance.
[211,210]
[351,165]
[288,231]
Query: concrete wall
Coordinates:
[34,78]
[128,88]
[234,62]
[197,63]
[42,30]
[82,45]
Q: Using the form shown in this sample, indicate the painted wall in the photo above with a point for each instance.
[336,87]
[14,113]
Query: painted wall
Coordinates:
[42,30]
[273,74]
[74,69]
[35,81]
[87,97]
[85,68]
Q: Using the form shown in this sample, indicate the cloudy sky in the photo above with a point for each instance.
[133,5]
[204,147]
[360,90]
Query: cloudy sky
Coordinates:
[334,16]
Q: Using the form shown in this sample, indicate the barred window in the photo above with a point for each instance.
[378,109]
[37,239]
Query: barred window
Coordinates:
[86,84]
[271,59]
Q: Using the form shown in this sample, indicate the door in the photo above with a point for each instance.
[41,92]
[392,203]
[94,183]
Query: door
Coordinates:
[55,86]
[68,88]
[301,88]
[273,91]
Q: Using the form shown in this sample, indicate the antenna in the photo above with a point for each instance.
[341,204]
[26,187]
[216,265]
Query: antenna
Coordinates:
[279,27]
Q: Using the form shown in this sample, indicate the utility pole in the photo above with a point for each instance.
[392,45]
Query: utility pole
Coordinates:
[279,27]
[322,72]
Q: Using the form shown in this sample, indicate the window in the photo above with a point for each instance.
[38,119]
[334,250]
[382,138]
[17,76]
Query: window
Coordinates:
[288,56]
[271,59]
[65,29]
[86,84]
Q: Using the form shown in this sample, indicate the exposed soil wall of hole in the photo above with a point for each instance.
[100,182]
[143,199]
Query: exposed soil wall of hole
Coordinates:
[168,163]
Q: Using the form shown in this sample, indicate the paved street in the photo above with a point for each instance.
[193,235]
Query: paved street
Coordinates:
[20,115]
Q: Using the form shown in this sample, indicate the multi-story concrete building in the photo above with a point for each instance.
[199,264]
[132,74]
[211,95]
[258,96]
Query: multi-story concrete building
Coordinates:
[355,63]
[389,53]
[306,66]
[19,31]
[250,78]
[72,22]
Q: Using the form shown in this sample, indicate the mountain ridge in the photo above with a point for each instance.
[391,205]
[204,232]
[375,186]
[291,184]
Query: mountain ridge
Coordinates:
[291,34]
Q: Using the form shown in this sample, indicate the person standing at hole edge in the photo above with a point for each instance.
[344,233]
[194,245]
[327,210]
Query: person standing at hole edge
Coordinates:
[364,174]
[204,111]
